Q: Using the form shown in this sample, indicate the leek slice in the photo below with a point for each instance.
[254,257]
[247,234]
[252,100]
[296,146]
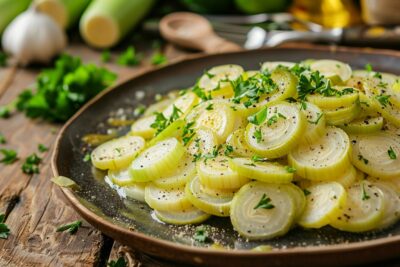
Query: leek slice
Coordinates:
[315,122]
[299,199]
[371,154]
[185,170]
[216,173]
[172,130]
[166,199]
[184,103]
[323,203]
[157,160]
[254,222]
[337,71]
[190,215]
[342,115]
[214,202]
[280,132]
[364,208]
[392,208]
[159,106]
[271,65]
[142,127]
[363,125]
[319,159]
[332,102]
[238,143]
[121,177]
[269,172]
[390,128]
[216,80]
[135,191]
[203,142]
[117,153]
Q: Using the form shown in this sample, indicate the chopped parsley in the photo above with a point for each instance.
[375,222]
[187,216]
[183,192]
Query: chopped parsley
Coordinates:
[319,116]
[368,67]
[201,94]
[256,158]
[274,119]
[4,112]
[87,157]
[105,56]
[201,234]
[188,132]
[210,107]
[31,164]
[158,58]
[139,110]
[209,75]
[259,117]
[264,203]
[70,228]
[360,157]
[214,153]
[119,263]
[42,148]
[9,156]
[306,192]
[391,153]
[3,59]
[303,105]
[161,122]
[4,230]
[250,91]
[383,99]
[364,195]
[129,57]
[2,139]
[228,150]
[258,135]
[378,75]
[290,169]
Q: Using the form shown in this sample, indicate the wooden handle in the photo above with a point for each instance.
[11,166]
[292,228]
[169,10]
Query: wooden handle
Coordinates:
[215,44]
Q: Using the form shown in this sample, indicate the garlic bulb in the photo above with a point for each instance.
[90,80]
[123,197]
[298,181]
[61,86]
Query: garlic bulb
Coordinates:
[33,37]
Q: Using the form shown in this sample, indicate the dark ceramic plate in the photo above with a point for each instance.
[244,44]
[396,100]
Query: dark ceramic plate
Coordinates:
[131,223]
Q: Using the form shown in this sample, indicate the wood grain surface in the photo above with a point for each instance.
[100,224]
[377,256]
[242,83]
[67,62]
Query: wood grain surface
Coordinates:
[35,207]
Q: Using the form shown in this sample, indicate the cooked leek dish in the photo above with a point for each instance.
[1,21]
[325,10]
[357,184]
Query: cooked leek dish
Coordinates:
[310,144]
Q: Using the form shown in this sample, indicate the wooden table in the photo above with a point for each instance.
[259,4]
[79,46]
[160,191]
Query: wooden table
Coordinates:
[34,206]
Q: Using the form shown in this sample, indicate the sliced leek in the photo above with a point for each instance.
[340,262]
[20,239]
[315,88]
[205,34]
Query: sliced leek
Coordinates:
[203,142]
[319,159]
[135,191]
[363,126]
[121,177]
[271,65]
[185,170]
[323,203]
[237,141]
[142,127]
[269,172]
[337,71]
[157,160]
[166,199]
[117,153]
[190,215]
[280,132]
[184,103]
[255,221]
[377,154]
[213,202]
[216,173]
[392,207]
[332,102]
[315,122]
[364,209]
[341,115]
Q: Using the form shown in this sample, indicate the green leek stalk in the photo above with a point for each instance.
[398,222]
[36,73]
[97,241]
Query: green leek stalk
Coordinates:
[105,22]
[65,12]
[9,9]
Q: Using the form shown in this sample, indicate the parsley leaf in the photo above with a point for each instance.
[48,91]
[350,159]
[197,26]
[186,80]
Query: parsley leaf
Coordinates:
[87,157]
[360,157]
[391,153]
[31,164]
[129,57]
[258,135]
[228,150]
[3,59]
[70,228]
[256,158]
[139,110]
[4,230]
[210,107]
[158,58]
[306,192]
[201,234]
[9,156]
[2,139]
[42,148]
[368,67]
[319,116]
[264,203]
[364,196]
[290,169]
[188,133]
[259,117]
[161,122]
[4,112]
[383,99]
[119,263]
[62,90]
[200,93]
[105,56]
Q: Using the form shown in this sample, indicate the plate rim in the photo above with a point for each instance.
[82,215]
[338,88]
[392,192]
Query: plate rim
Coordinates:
[108,227]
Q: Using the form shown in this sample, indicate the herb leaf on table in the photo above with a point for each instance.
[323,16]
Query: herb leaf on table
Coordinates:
[4,230]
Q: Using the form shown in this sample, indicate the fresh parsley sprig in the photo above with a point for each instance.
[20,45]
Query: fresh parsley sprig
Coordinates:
[161,122]
[201,234]
[264,203]
[392,153]
[4,230]
[120,262]
[9,156]
[71,228]
[31,164]
[259,117]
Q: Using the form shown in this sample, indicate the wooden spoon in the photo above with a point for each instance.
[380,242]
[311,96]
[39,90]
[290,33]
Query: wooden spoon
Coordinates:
[192,31]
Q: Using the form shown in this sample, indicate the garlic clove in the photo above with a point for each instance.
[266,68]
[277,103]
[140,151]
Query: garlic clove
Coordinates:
[33,37]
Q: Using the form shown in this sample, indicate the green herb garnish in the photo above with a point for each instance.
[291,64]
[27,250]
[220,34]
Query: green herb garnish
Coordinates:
[161,122]
[383,99]
[4,112]
[42,148]
[319,116]
[200,93]
[129,57]
[264,203]
[256,158]
[9,156]
[368,67]
[258,135]
[228,150]
[105,56]
[3,59]
[70,228]
[391,153]
[31,164]
[139,110]
[188,132]
[4,230]
[259,117]
[306,192]
[364,196]
[2,139]
[210,107]
[158,58]
[201,234]
[360,157]
[290,169]
[87,157]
